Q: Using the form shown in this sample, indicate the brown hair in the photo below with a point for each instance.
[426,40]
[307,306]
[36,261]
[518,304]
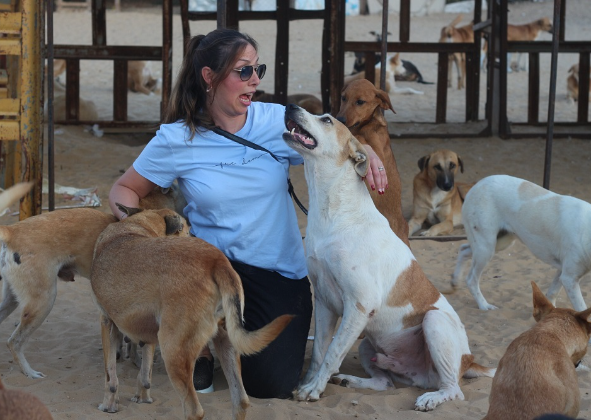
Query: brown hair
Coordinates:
[217,50]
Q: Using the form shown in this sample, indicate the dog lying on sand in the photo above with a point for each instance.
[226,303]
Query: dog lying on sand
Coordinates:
[537,373]
[155,284]
[364,273]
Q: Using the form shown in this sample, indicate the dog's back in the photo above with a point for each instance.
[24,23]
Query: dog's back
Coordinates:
[20,405]
[537,373]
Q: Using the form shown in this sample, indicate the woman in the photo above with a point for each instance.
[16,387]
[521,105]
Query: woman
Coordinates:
[237,196]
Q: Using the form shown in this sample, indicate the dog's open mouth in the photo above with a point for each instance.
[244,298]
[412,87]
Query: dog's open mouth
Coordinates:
[298,134]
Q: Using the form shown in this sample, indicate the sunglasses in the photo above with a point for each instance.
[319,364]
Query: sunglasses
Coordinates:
[247,71]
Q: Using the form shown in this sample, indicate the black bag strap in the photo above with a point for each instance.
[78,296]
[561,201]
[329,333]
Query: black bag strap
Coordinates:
[255,146]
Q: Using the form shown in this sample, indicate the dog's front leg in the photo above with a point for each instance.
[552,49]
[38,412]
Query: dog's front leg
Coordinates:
[443,228]
[230,362]
[110,342]
[352,325]
[144,377]
[554,288]
[324,325]
[571,274]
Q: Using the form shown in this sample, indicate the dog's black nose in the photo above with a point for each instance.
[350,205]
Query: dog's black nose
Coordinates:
[342,119]
[291,107]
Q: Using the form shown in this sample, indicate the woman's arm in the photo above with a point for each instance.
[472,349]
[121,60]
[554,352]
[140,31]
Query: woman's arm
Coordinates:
[128,190]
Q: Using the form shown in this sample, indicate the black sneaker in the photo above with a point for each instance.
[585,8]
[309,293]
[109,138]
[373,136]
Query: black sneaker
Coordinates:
[203,375]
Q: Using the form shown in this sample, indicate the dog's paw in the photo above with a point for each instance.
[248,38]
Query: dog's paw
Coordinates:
[33,374]
[338,380]
[140,400]
[430,400]
[488,307]
[307,392]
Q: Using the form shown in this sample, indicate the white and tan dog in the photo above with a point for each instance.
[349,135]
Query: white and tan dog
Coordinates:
[537,373]
[556,229]
[363,272]
[140,79]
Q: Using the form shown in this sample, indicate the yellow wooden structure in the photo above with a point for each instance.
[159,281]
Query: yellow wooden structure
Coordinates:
[22,39]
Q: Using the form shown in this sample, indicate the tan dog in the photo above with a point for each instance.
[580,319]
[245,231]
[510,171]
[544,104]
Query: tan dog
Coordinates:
[572,84]
[140,79]
[307,101]
[20,405]
[35,253]
[526,32]
[38,251]
[154,283]
[537,373]
[450,33]
[437,198]
[361,111]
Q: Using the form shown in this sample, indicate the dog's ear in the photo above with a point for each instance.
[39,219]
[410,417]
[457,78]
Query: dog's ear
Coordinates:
[358,154]
[542,306]
[130,211]
[423,162]
[385,98]
[174,224]
[461,164]
[585,316]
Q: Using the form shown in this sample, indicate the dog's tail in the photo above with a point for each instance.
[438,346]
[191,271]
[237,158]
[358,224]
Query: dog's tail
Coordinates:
[14,193]
[245,342]
[475,370]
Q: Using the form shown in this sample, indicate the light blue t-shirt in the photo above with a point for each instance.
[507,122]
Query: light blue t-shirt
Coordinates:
[237,196]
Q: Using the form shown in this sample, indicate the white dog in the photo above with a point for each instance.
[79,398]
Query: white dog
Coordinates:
[363,272]
[555,228]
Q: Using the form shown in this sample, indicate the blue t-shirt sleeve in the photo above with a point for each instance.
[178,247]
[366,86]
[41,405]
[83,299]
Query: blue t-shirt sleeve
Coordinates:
[157,161]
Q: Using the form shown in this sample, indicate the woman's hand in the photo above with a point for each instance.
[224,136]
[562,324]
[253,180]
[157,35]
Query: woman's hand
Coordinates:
[376,177]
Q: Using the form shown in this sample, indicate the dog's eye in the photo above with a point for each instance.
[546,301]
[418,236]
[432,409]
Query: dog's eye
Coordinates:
[438,167]
[452,165]
[344,98]
[326,120]
[360,102]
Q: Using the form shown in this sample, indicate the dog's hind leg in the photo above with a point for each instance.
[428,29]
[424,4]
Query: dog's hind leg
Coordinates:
[481,255]
[34,312]
[9,301]
[352,325]
[570,276]
[464,254]
[110,341]
[144,377]
[379,379]
[443,339]
[324,325]
[230,362]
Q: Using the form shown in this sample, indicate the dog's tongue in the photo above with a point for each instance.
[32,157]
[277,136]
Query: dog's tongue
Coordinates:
[303,138]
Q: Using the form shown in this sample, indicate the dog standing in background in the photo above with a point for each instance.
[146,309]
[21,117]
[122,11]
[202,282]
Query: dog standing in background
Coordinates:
[526,32]
[437,197]
[450,33]
[537,373]
[572,84]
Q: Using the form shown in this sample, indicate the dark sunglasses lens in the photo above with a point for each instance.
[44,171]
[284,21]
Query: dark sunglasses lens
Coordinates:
[261,71]
[246,73]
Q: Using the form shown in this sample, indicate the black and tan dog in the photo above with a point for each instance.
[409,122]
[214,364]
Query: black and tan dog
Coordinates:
[155,284]
[437,198]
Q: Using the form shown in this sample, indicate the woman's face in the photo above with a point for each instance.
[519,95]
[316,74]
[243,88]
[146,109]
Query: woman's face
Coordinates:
[233,96]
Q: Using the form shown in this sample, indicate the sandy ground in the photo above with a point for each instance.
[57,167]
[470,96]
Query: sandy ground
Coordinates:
[67,347]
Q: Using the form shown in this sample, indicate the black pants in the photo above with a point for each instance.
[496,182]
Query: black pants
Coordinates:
[275,371]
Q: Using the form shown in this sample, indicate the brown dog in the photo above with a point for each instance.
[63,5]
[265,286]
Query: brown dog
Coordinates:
[572,84]
[361,111]
[155,284]
[436,196]
[526,32]
[305,100]
[450,33]
[140,79]
[38,251]
[537,373]
[20,405]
